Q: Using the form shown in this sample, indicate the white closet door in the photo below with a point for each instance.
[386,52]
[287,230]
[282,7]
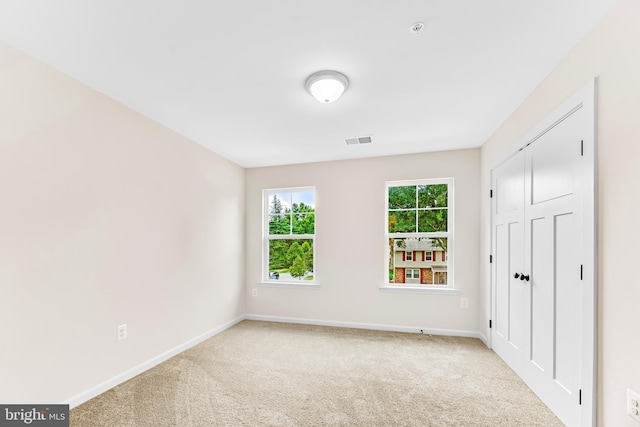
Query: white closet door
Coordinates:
[537,247]
[510,297]
[553,250]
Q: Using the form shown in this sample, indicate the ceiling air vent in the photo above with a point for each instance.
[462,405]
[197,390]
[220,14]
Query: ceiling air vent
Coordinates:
[357,141]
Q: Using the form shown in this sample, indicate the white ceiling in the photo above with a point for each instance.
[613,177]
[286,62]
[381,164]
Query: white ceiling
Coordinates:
[230,74]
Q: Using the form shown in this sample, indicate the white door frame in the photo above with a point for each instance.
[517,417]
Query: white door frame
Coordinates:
[585,98]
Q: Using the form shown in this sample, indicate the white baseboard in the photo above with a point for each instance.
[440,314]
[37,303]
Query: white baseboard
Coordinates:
[127,375]
[373,326]
[484,339]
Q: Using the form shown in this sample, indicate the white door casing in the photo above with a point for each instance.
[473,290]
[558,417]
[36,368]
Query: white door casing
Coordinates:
[543,227]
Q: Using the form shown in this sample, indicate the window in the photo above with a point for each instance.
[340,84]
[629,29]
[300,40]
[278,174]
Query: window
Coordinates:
[413,273]
[420,220]
[289,236]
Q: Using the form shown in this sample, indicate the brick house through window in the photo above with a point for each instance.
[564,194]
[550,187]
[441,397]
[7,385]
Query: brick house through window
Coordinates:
[419,261]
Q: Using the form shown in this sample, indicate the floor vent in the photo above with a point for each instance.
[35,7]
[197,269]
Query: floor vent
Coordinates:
[357,141]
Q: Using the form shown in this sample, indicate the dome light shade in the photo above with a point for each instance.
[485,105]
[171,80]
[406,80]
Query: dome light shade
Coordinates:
[327,86]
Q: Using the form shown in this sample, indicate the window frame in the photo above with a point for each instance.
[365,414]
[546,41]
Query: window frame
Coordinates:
[449,234]
[267,238]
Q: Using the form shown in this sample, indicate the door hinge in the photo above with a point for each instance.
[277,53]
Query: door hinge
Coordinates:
[580,271]
[490,325]
[491,194]
[582,147]
[490,259]
[580,397]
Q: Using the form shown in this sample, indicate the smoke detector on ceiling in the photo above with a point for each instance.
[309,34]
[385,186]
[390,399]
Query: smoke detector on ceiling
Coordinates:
[358,140]
[417,27]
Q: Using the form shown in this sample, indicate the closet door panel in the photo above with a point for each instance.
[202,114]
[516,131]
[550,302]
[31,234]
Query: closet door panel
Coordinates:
[502,281]
[509,185]
[555,151]
[541,289]
[517,289]
[567,294]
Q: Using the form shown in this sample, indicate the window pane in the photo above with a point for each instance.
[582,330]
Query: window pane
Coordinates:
[433,196]
[422,269]
[303,208]
[402,197]
[303,223]
[440,244]
[303,201]
[281,225]
[402,222]
[432,220]
[291,259]
[280,213]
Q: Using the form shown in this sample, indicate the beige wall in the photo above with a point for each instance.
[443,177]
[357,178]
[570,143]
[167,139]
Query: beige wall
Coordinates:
[610,52]
[105,218]
[350,215]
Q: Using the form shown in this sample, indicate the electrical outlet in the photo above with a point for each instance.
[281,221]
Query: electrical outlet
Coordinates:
[255,292]
[122,332]
[633,405]
[464,302]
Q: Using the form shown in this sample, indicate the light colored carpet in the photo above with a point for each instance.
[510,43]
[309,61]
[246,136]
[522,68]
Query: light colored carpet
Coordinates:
[275,374]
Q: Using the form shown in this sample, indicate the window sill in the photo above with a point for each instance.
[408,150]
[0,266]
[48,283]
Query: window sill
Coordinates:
[420,290]
[296,285]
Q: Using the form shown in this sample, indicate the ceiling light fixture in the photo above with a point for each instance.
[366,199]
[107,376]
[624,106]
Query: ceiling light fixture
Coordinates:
[327,86]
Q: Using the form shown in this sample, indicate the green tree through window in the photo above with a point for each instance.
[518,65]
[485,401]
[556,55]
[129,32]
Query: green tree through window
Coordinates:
[290,221]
